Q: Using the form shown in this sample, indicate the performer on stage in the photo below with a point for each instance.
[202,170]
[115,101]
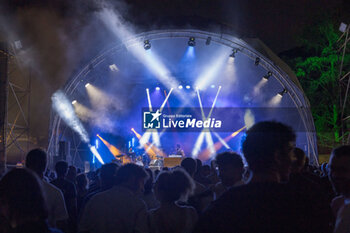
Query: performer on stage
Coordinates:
[179,151]
[132,154]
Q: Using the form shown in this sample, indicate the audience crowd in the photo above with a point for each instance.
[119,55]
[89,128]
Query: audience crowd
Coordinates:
[271,188]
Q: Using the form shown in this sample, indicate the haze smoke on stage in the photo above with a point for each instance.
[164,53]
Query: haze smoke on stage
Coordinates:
[222,141]
[249,119]
[258,86]
[149,59]
[104,105]
[198,145]
[64,109]
[212,69]
[230,75]
[102,101]
[85,114]
[275,101]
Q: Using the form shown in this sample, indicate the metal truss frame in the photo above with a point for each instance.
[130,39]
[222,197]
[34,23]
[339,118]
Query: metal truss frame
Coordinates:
[344,83]
[17,137]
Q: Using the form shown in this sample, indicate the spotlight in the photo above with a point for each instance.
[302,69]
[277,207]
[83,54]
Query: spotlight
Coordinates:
[147,89]
[146,45]
[233,54]
[212,86]
[191,41]
[188,86]
[132,129]
[282,92]
[74,102]
[257,61]
[268,75]
[88,84]
[180,86]
[207,42]
[113,67]
[157,88]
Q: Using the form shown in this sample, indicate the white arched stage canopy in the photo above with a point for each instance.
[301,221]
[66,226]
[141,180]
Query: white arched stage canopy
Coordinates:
[158,68]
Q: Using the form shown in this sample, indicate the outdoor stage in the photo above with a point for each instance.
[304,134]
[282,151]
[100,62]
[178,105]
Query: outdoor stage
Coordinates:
[101,109]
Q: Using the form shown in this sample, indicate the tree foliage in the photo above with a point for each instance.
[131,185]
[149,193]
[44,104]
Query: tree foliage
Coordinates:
[318,73]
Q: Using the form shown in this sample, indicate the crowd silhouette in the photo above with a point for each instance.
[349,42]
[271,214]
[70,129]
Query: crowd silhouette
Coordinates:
[271,188]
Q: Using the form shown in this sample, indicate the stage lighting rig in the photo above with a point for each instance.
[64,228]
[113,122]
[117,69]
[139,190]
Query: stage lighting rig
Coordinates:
[74,102]
[180,86]
[146,45]
[281,93]
[268,75]
[188,86]
[157,88]
[191,42]
[257,61]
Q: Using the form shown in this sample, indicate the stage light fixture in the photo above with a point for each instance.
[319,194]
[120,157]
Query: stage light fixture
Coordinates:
[212,86]
[191,42]
[74,102]
[257,61]
[207,42]
[233,54]
[157,88]
[146,45]
[113,67]
[132,129]
[188,86]
[343,27]
[88,84]
[281,93]
[180,86]
[268,75]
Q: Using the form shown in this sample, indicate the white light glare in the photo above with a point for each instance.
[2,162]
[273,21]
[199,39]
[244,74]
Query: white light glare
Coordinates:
[197,145]
[113,67]
[64,109]
[97,155]
[180,86]
[188,87]
[88,84]
[249,119]
[150,60]
[276,100]
[211,71]
[74,102]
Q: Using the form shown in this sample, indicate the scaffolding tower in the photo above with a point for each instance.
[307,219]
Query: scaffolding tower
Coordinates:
[344,82]
[15,92]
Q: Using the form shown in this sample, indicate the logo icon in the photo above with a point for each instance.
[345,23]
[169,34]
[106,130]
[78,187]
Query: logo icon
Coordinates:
[151,120]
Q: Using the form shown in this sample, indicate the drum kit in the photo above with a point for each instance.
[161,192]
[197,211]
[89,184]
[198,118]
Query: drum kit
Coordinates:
[141,160]
[157,164]
[154,162]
